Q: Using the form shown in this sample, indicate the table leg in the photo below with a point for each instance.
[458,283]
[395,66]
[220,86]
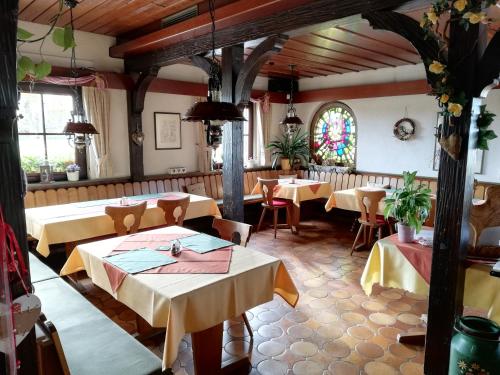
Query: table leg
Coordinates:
[207,354]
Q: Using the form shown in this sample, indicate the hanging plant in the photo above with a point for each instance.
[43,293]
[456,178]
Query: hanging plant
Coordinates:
[452,101]
[62,37]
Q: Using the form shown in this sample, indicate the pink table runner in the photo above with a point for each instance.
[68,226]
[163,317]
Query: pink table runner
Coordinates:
[217,261]
[418,255]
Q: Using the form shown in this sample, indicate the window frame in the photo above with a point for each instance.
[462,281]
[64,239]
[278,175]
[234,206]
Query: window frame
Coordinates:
[250,134]
[80,155]
[317,115]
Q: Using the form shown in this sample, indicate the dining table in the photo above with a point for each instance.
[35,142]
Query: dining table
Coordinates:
[194,294]
[407,266]
[73,222]
[298,191]
[346,199]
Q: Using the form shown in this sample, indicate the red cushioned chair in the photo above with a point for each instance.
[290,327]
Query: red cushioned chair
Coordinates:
[275,204]
[368,202]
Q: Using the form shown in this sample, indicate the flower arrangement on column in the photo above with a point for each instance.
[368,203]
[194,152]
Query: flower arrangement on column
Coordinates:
[452,101]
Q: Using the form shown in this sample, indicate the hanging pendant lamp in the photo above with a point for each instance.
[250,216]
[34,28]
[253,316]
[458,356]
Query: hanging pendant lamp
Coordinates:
[78,131]
[291,120]
[214,109]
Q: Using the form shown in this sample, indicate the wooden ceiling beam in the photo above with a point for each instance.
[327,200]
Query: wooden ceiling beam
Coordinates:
[236,23]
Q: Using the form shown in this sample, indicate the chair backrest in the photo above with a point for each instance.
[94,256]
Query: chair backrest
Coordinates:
[267,187]
[119,213]
[50,331]
[174,209]
[368,201]
[233,231]
[485,215]
[429,222]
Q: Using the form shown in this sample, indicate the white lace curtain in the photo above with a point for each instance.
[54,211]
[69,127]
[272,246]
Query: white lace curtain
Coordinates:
[204,151]
[262,118]
[96,105]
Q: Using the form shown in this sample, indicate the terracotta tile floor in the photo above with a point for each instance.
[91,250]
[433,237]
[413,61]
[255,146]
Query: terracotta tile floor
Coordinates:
[335,328]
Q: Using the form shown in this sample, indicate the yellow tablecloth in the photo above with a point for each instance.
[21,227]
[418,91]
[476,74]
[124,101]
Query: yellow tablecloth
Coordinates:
[300,190]
[388,267]
[185,303]
[79,221]
[346,200]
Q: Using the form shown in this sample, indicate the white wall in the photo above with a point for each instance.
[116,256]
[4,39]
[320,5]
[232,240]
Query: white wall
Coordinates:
[380,151]
[158,161]
[92,50]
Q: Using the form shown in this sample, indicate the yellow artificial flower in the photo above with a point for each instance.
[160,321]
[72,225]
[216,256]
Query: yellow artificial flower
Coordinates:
[444,98]
[436,67]
[423,21]
[475,17]
[460,5]
[432,16]
[455,109]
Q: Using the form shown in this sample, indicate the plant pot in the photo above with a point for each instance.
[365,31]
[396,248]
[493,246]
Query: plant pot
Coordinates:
[406,234]
[73,176]
[285,164]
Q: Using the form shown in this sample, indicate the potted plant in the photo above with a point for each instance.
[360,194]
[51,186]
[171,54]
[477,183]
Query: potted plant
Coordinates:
[410,206]
[292,150]
[73,172]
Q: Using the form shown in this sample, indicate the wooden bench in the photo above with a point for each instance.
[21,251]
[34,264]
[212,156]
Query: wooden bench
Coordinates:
[60,193]
[93,344]
[39,195]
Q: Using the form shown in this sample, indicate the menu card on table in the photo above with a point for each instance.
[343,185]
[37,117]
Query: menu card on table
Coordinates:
[203,243]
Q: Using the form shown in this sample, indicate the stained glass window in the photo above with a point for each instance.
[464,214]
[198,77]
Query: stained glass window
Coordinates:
[333,135]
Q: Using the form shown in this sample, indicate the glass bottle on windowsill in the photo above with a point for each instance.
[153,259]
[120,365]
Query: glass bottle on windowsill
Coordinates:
[45,172]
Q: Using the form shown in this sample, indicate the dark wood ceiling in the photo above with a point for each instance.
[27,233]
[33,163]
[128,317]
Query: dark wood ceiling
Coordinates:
[351,47]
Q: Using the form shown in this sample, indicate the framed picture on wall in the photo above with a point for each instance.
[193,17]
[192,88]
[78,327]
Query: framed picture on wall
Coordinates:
[478,165]
[167,131]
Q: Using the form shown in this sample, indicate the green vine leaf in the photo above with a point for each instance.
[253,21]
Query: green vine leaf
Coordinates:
[23,34]
[20,74]
[484,120]
[42,70]
[26,64]
[63,37]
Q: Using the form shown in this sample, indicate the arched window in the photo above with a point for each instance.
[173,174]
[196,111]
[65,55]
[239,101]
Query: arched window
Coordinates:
[333,135]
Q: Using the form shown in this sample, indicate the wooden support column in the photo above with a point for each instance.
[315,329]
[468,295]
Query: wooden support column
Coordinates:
[237,81]
[455,182]
[11,200]
[135,106]
[232,140]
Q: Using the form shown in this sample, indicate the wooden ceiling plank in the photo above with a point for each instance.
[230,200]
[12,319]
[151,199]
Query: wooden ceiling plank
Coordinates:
[370,44]
[83,8]
[250,23]
[23,4]
[167,8]
[109,25]
[325,43]
[309,64]
[84,22]
[364,28]
[362,61]
[301,69]
[48,15]
[271,71]
[36,8]
[340,68]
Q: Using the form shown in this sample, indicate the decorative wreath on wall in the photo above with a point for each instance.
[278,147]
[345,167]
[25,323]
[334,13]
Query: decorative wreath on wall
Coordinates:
[404,129]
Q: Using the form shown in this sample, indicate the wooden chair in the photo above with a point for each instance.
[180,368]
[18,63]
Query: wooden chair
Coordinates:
[483,216]
[50,354]
[233,231]
[270,203]
[119,213]
[368,202]
[174,210]
[236,232]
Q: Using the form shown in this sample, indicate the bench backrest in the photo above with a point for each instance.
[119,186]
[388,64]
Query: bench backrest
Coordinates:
[41,196]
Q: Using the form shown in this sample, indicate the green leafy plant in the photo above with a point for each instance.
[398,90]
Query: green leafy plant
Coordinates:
[484,120]
[294,148]
[62,37]
[410,205]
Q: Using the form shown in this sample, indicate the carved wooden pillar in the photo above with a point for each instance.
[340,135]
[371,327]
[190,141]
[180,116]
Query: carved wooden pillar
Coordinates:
[455,181]
[135,106]
[11,200]
[232,140]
